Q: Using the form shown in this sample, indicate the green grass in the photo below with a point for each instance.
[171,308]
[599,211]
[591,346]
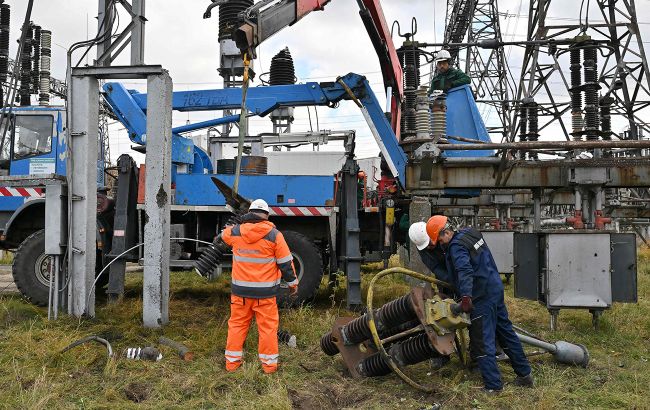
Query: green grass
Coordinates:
[7,258]
[35,375]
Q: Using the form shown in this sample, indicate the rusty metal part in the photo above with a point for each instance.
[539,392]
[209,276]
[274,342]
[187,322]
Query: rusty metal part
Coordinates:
[254,165]
[423,177]
[226,166]
[443,344]
[351,354]
[463,139]
[182,350]
[533,145]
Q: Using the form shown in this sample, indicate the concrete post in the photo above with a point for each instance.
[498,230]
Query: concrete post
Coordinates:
[419,210]
[82,173]
[155,308]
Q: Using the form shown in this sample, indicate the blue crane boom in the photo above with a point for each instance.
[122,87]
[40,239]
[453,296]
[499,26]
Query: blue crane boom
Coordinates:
[130,107]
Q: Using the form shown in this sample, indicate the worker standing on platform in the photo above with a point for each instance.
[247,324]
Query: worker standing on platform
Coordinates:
[478,284]
[446,76]
[261,258]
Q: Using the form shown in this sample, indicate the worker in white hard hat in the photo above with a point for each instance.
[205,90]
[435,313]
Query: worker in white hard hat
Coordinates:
[446,76]
[260,259]
[432,255]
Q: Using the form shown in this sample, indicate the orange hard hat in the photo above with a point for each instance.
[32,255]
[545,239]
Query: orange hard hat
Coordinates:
[434,225]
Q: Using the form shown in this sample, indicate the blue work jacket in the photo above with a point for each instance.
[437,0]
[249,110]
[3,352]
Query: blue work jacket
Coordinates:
[474,272]
[434,260]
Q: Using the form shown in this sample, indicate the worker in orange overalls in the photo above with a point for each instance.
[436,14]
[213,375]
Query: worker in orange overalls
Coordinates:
[260,258]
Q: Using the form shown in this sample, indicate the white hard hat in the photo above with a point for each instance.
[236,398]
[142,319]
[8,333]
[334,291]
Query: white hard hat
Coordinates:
[418,235]
[259,205]
[442,56]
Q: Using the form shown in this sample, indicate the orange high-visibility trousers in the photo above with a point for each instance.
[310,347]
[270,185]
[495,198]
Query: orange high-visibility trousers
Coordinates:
[266,315]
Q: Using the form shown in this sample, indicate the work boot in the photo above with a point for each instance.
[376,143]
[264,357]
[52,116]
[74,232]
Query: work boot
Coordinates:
[524,381]
[491,392]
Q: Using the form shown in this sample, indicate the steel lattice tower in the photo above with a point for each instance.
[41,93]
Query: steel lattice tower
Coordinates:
[488,67]
[476,21]
[622,68]
[457,21]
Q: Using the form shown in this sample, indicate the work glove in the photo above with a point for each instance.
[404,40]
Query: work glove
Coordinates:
[465,305]
[293,290]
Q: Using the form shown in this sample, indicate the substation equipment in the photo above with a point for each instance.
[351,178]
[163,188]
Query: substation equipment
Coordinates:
[436,157]
[415,328]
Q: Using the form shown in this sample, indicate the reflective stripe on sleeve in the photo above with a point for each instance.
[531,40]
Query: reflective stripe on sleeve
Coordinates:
[285,259]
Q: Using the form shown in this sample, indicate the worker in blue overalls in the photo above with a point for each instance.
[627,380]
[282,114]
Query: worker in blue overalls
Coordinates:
[475,276]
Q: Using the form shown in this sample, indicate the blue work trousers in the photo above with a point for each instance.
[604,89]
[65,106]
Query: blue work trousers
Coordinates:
[490,321]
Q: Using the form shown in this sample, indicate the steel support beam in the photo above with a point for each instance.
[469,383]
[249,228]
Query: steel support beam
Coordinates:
[112,45]
[137,36]
[559,145]
[426,176]
[155,308]
[82,182]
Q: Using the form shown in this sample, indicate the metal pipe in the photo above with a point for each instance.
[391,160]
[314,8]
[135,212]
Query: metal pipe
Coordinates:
[411,331]
[528,145]
[463,139]
[57,279]
[472,160]
[206,124]
[634,200]
[563,352]
[490,44]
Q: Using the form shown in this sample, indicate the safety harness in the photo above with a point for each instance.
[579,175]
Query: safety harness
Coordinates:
[473,241]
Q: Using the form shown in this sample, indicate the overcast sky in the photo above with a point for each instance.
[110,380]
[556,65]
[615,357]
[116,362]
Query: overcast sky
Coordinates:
[324,44]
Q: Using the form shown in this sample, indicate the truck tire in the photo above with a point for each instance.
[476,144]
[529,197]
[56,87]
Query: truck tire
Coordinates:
[30,269]
[309,268]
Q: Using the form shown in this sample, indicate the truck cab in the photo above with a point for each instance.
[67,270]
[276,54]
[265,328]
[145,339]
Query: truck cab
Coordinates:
[34,149]
[34,145]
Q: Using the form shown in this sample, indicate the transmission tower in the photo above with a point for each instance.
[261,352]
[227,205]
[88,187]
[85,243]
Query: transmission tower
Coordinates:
[488,68]
[607,75]
[476,21]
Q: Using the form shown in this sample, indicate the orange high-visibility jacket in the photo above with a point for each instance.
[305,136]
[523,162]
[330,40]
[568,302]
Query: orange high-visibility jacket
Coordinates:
[260,258]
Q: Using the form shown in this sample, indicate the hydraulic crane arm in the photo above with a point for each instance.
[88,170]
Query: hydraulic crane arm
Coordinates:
[267,17]
[130,108]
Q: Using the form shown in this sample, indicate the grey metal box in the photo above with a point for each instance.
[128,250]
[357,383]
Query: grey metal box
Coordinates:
[577,270]
[56,219]
[501,245]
